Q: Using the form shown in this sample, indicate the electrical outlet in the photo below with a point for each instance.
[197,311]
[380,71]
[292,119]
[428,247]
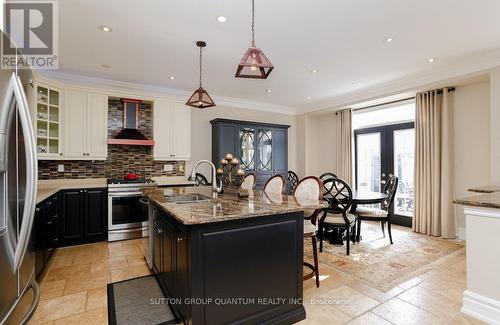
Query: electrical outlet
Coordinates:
[60,168]
[168,168]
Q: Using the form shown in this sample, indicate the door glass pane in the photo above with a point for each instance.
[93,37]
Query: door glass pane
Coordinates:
[54,114]
[247,149]
[265,146]
[404,151]
[41,113]
[41,145]
[53,130]
[53,146]
[368,162]
[54,98]
[42,95]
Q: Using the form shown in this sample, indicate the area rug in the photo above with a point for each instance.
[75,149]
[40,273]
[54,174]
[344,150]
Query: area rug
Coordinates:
[381,265]
[138,301]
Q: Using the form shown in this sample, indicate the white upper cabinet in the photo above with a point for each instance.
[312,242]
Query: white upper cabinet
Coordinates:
[47,117]
[85,125]
[74,124]
[97,126]
[171,131]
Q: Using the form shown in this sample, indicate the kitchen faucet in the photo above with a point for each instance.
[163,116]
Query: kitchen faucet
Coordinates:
[215,188]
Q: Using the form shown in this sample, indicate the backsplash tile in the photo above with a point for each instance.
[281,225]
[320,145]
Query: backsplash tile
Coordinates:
[121,158]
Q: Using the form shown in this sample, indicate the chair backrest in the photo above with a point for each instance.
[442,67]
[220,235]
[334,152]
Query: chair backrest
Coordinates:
[248,182]
[309,188]
[200,179]
[328,175]
[390,188]
[293,180]
[338,194]
[323,178]
[275,184]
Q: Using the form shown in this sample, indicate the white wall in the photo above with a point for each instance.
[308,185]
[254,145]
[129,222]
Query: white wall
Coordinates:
[201,131]
[472,153]
[2,3]
[321,145]
[494,125]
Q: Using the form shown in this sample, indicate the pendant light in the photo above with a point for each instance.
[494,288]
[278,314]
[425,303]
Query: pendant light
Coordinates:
[254,63]
[200,98]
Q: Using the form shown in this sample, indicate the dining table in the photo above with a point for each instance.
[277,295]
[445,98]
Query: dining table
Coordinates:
[358,197]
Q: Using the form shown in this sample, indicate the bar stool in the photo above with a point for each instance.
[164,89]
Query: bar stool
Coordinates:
[310,188]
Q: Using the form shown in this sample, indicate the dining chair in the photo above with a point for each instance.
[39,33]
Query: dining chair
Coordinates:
[293,180]
[323,178]
[275,185]
[310,188]
[337,215]
[384,213]
[200,179]
[248,182]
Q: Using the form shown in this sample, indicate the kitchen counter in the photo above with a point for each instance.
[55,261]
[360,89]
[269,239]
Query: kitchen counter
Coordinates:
[246,252]
[485,200]
[47,188]
[485,189]
[226,207]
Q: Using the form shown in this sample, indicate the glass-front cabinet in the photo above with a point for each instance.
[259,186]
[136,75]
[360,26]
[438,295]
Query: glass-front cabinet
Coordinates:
[48,119]
[261,148]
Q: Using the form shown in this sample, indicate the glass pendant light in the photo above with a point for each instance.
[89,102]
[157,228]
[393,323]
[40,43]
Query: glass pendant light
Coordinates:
[200,98]
[254,63]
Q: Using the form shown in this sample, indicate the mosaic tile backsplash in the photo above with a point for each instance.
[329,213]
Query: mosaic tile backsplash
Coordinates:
[121,158]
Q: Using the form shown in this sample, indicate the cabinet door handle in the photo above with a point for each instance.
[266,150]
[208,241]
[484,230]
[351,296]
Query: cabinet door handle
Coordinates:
[60,154]
[48,223]
[160,231]
[179,239]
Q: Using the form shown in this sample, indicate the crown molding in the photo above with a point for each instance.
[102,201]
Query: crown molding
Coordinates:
[437,77]
[149,92]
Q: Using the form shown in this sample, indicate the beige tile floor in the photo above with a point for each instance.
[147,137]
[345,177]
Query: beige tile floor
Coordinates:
[73,290]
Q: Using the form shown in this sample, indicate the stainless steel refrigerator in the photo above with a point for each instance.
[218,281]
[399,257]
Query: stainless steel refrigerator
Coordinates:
[19,292]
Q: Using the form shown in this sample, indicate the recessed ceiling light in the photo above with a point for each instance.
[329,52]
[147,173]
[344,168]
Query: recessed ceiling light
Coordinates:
[105,28]
[221,19]
[106,66]
[431,60]
[269,90]
[389,39]
[172,77]
[314,71]
[308,97]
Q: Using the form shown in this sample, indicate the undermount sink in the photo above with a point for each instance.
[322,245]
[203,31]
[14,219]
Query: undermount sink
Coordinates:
[188,198]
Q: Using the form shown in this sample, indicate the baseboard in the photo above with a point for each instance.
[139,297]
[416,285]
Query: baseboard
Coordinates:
[461,233]
[480,307]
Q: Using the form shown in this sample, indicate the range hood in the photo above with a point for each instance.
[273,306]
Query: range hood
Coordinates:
[130,133]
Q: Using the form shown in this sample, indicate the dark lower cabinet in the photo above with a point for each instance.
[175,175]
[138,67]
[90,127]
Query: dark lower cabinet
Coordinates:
[206,267]
[84,216]
[46,236]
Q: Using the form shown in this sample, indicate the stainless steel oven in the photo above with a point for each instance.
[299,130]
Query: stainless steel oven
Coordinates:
[128,209]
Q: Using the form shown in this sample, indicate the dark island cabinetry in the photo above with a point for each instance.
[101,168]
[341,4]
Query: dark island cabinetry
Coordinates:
[262,148]
[45,230]
[246,271]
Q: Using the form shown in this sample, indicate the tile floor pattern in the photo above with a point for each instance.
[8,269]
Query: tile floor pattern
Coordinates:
[73,291]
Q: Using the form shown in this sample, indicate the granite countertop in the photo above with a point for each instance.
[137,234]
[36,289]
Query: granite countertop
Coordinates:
[486,200]
[226,207]
[485,189]
[47,188]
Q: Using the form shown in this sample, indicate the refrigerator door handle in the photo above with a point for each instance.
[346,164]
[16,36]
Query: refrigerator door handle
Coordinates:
[31,171]
[36,297]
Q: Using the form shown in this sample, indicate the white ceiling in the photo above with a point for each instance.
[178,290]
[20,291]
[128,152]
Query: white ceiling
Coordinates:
[343,39]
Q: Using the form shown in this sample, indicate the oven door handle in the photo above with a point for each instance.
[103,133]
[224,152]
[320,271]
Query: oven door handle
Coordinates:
[125,194]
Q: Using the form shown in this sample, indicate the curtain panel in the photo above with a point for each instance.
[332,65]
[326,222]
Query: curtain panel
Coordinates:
[434,213]
[344,145]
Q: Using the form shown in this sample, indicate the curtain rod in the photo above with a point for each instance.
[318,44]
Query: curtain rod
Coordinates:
[450,89]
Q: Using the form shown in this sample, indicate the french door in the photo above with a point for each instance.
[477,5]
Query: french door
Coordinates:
[381,152]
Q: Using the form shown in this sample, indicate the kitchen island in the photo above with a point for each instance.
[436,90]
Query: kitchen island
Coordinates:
[481,299]
[225,260]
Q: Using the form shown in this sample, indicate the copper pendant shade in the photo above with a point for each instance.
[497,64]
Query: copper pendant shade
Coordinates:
[200,98]
[254,63]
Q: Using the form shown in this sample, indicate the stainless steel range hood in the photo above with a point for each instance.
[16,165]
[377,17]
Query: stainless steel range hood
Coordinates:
[130,133]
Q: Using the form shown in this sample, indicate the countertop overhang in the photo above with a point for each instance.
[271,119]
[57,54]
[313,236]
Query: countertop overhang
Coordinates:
[486,200]
[225,207]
